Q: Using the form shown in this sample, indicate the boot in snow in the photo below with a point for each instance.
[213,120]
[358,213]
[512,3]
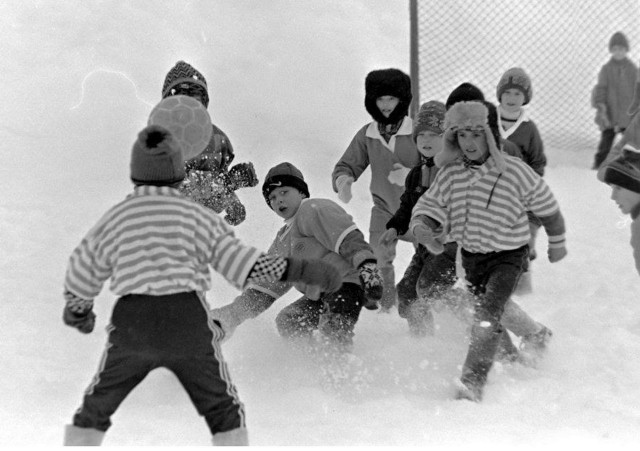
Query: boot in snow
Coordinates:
[420,319]
[77,436]
[468,390]
[234,437]
[536,344]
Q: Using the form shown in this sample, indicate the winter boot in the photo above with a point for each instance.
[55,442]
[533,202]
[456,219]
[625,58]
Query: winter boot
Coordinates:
[336,331]
[468,390]
[536,344]
[234,437]
[420,319]
[77,436]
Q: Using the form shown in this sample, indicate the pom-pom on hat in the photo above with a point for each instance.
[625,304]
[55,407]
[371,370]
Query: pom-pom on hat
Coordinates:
[618,38]
[469,116]
[430,117]
[184,73]
[624,171]
[466,92]
[156,158]
[515,78]
[284,174]
[387,82]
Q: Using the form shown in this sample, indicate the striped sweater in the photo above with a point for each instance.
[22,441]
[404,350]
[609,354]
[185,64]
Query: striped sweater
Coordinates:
[486,211]
[157,242]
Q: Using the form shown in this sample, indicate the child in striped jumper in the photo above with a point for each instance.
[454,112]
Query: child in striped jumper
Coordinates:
[317,228]
[481,197]
[156,246]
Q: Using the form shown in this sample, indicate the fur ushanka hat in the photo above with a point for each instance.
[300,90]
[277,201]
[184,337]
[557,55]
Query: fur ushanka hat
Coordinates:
[469,116]
[387,82]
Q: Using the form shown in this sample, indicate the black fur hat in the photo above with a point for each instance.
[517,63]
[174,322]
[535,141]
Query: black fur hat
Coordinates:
[466,92]
[387,82]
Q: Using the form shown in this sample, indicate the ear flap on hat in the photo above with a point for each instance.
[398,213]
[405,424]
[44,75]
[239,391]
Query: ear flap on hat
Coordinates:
[494,150]
[450,150]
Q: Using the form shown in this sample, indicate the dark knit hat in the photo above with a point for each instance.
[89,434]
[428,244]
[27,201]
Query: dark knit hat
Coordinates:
[624,171]
[430,117]
[184,73]
[466,92]
[156,158]
[387,82]
[515,78]
[618,38]
[284,174]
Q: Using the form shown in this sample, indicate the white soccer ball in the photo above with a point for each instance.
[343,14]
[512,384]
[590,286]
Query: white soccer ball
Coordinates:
[187,120]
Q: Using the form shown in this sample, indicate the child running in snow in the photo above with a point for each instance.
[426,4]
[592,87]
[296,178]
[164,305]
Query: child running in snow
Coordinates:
[317,228]
[209,180]
[386,144]
[514,91]
[623,175]
[157,246]
[481,197]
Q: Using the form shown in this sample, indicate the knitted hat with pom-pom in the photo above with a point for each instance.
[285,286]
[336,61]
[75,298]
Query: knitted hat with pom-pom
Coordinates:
[184,73]
[156,158]
[430,117]
[284,174]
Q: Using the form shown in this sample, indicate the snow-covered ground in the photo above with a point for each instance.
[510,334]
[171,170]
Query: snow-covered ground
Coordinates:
[76,92]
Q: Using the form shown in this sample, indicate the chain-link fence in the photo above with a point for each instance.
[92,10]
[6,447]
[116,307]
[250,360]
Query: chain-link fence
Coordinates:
[561,44]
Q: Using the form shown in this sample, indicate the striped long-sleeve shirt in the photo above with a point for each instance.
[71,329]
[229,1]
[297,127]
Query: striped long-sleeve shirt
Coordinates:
[486,211]
[157,242]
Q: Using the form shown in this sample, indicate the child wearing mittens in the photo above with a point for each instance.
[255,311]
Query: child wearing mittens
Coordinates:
[386,144]
[209,180]
[317,228]
[156,246]
[481,197]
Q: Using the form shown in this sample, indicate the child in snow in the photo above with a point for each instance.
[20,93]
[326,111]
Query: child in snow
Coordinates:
[623,175]
[209,180]
[514,91]
[386,144]
[429,277]
[322,229]
[612,96]
[481,197]
[157,246]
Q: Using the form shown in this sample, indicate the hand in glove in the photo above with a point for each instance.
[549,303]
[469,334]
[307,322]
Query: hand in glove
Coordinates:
[556,253]
[426,236]
[343,183]
[372,283]
[313,272]
[601,118]
[84,322]
[389,237]
[242,175]
[236,213]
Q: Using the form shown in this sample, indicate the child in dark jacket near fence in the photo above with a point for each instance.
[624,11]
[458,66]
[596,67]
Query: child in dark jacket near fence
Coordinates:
[481,197]
[157,246]
[209,179]
[317,228]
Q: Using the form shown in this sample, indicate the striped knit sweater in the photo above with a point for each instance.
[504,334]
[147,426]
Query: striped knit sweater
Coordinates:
[157,242]
[485,210]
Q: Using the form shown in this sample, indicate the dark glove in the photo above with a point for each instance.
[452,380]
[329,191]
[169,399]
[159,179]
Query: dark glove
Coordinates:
[313,272]
[236,213]
[83,322]
[372,283]
[242,175]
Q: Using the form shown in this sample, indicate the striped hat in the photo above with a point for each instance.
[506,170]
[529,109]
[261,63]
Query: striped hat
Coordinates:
[184,73]
[624,171]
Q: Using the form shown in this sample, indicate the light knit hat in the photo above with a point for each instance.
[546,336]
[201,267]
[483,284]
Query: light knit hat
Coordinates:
[468,116]
[515,78]
[430,117]
[156,158]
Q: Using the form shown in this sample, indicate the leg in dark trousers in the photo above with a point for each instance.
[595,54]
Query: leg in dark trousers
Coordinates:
[340,314]
[299,319]
[492,278]
[606,141]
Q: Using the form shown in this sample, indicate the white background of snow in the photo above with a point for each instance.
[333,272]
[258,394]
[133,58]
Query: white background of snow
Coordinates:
[286,80]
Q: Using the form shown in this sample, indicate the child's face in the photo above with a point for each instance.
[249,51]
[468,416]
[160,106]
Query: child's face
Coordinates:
[386,104]
[512,100]
[429,143]
[473,143]
[618,52]
[285,201]
[626,199]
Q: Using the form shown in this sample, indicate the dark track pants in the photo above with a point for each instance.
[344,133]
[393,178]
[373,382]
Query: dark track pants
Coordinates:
[172,331]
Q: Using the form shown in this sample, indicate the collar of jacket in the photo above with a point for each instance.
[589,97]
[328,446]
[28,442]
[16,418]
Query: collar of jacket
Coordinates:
[405,129]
